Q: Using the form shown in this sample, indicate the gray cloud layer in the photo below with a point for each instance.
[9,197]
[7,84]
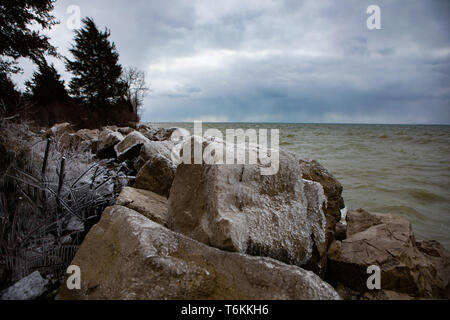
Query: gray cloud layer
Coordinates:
[287,61]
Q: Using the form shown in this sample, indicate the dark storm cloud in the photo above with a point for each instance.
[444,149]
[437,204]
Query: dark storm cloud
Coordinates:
[295,61]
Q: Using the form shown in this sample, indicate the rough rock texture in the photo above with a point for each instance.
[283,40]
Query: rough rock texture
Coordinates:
[314,171]
[439,256]
[60,128]
[106,141]
[361,220]
[388,241]
[235,208]
[156,175]
[130,147]
[152,150]
[127,256]
[28,288]
[147,203]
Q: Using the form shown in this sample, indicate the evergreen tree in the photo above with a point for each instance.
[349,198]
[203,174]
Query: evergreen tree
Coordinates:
[46,86]
[17,39]
[96,70]
[9,96]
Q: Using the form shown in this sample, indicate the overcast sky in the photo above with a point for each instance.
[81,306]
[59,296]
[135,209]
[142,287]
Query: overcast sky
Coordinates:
[278,61]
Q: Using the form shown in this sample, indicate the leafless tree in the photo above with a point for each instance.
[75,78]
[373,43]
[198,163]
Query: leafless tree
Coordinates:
[137,89]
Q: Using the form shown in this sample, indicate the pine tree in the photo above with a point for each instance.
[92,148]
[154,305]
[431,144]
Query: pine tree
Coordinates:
[95,67]
[46,86]
[16,37]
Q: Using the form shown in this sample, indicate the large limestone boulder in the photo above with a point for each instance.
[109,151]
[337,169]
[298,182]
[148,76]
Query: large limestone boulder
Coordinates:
[388,242]
[130,147]
[314,171]
[127,256]
[235,208]
[106,142]
[156,175]
[147,203]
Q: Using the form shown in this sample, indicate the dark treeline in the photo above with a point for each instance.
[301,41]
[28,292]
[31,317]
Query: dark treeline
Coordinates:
[100,92]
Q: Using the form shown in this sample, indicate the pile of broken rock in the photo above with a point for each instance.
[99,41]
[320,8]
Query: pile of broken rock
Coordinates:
[226,232]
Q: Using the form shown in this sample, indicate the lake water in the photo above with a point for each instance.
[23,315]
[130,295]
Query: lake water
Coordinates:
[400,169]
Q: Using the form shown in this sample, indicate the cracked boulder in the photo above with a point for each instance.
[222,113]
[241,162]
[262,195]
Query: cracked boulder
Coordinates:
[235,208]
[147,203]
[388,242]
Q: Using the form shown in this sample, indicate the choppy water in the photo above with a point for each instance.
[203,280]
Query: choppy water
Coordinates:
[384,168]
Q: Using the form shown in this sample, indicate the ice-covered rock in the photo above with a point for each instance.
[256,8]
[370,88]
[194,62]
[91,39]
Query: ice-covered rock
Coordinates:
[106,141]
[152,150]
[127,256]
[147,203]
[130,147]
[74,224]
[235,208]
[314,171]
[31,287]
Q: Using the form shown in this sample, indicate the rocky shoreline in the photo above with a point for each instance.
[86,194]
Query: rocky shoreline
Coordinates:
[208,231]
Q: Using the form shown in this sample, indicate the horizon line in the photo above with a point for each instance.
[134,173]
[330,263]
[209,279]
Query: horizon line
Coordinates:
[325,123]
